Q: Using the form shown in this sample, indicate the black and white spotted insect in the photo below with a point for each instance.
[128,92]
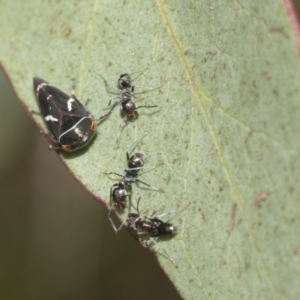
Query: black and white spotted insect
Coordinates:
[71,125]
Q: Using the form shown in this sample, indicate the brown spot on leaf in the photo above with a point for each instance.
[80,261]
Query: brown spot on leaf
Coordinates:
[297,251]
[266,75]
[261,198]
[259,157]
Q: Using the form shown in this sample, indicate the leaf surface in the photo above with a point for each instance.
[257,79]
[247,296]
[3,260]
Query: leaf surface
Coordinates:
[225,139]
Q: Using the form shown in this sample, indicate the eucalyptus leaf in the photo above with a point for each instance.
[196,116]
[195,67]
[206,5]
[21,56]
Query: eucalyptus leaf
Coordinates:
[224,142]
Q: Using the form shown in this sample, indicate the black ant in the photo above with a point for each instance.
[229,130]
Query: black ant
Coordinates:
[119,192]
[149,225]
[152,227]
[128,107]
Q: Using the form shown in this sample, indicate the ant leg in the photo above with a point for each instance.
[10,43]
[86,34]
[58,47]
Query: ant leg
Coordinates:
[133,145]
[111,220]
[130,202]
[133,169]
[143,182]
[112,205]
[149,88]
[114,174]
[118,102]
[98,120]
[122,125]
[147,106]
[116,230]
[153,241]
[175,211]
[108,86]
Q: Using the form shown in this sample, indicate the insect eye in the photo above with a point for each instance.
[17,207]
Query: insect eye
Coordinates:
[94,126]
[66,148]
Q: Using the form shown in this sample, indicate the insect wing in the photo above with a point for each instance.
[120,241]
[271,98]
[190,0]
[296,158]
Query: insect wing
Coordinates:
[76,132]
[65,104]
[47,96]
[67,119]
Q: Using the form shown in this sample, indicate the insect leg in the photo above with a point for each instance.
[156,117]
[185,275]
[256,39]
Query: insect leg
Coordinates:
[107,114]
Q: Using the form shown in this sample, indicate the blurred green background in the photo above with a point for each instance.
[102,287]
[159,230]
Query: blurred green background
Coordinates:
[55,240]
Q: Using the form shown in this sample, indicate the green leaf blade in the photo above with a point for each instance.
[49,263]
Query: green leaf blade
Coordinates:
[227,129]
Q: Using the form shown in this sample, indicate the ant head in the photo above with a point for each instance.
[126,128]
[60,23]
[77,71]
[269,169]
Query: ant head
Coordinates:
[137,160]
[170,229]
[124,81]
[162,228]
